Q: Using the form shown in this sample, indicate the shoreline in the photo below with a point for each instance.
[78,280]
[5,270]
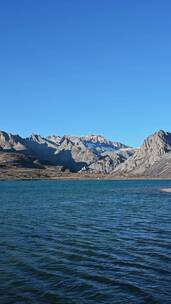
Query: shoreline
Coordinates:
[16,174]
[84,178]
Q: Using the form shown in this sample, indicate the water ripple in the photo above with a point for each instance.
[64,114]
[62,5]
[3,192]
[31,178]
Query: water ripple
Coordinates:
[84,242]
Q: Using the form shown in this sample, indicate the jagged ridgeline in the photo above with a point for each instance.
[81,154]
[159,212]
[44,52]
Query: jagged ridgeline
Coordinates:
[91,154]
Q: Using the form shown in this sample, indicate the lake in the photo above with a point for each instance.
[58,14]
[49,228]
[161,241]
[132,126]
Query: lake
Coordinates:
[81,242]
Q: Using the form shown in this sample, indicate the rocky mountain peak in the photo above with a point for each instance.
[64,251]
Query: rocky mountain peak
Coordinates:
[37,138]
[54,138]
[95,138]
[158,143]
[153,148]
[9,141]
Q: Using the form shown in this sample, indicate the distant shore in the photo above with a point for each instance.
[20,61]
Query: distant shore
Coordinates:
[52,174]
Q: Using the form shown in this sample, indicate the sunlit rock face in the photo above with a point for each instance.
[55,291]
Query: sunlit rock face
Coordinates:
[9,142]
[147,160]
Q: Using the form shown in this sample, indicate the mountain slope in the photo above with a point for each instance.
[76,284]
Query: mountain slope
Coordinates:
[10,142]
[149,154]
[99,144]
[90,154]
[105,164]
[161,168]
[17,160]
[75,153]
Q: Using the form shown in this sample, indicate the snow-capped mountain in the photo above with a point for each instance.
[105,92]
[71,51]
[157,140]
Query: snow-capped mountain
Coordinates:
[72,152]
[99,144]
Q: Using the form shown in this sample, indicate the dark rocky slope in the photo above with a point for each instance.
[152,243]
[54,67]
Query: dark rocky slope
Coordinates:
[17,160]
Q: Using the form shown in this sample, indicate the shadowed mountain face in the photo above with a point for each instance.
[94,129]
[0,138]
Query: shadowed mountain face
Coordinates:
[17,160]
[92,153]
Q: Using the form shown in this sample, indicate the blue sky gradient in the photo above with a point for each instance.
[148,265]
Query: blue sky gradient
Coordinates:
[78,67]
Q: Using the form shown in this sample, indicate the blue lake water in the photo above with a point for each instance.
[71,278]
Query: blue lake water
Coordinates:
[81,242]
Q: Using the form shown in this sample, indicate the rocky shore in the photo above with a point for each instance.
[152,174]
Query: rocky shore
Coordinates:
[166,190]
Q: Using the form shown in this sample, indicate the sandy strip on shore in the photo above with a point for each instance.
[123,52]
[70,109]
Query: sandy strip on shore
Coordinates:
[166,190]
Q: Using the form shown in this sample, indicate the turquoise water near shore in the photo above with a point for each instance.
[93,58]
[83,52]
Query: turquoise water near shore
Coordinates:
[79,242]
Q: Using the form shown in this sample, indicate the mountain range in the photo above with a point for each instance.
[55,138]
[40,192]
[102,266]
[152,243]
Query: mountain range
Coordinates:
[90,154]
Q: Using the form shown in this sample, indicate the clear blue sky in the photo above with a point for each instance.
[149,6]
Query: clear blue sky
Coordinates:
[77,67]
